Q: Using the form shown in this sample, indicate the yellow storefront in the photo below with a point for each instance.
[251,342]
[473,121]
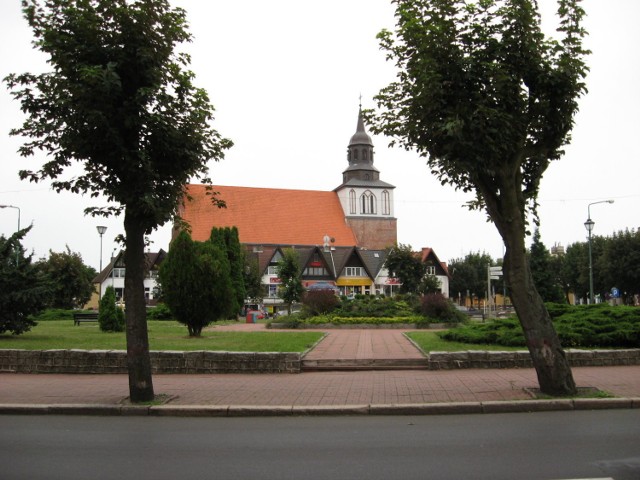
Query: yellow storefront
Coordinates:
[354,285]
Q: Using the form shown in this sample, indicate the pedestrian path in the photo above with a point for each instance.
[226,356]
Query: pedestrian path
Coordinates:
[360,349]
[399,391]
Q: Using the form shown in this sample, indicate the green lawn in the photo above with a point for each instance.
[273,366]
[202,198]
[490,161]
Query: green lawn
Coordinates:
[431,342]
[165,335]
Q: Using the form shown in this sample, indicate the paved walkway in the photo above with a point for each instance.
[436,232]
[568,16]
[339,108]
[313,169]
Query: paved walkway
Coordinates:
[401,391]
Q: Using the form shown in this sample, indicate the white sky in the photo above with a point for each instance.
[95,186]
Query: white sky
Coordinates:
[285,77]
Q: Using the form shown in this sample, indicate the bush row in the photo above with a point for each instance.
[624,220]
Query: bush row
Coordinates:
[577,326]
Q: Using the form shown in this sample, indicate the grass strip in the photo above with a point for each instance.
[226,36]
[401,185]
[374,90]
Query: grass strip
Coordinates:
[163,335]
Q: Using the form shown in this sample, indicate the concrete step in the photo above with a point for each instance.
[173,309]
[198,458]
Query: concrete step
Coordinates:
[364,364]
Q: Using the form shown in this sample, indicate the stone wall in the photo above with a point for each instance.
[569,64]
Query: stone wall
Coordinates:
[522,359]
[115,361]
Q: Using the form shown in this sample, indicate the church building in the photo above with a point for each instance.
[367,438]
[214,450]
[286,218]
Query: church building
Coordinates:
[359,212]
[340,235]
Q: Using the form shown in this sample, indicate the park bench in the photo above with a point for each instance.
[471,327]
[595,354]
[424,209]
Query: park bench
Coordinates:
[84,317]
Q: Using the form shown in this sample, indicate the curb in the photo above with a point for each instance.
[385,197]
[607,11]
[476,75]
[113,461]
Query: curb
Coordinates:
[455,408]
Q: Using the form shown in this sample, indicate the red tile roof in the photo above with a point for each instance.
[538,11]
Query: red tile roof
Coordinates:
[269,215]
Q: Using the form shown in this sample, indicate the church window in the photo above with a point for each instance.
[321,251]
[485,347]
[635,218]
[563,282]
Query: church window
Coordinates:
[368,202]
[386,203]
[364,154]
[352,201]
[355,154]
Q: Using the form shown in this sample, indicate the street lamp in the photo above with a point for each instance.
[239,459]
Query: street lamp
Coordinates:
[589,226]
[101,229]
[17,208]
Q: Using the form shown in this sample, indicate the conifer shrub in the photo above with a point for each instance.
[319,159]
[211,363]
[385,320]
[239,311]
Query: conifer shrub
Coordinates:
[110,317]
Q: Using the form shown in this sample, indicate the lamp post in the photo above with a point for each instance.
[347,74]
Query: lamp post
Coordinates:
[101,229]
[17,208]
[589,226]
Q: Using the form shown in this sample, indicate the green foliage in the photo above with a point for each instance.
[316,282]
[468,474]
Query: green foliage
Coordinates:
[290,274]
[24,291]
[160,312]
[71,280]
[164,335]
[252,279]
[196,283]
[584,326]
[319,302]
[437,307]
[57,314]
[228,240]
[372,306]
[469,275]
[407,267]
[110,317]
[120,102]
[547,281]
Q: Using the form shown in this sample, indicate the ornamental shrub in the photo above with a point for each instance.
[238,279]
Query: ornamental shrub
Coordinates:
[110,317]
[436,306]
[319,302]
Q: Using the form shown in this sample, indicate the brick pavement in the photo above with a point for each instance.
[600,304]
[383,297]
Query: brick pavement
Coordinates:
[310,389]
[317,389]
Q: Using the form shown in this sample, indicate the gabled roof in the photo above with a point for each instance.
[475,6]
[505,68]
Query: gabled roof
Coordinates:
[269,215]
[152,260]
[441,267]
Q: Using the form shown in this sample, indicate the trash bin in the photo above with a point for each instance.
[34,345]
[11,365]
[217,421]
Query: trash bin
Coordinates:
[249,317]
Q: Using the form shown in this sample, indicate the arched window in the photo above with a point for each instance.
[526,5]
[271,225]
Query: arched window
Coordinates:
[355,154]
[368,202]
[364,154]
[386,203]
[352,201]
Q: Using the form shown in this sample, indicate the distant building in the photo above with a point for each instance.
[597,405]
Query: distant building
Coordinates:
[113,276]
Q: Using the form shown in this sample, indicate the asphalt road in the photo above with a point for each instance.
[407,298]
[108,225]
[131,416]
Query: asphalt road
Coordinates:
[553,445]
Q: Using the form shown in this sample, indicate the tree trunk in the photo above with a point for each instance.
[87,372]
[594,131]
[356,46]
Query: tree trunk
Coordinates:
[138,360]
[549,360]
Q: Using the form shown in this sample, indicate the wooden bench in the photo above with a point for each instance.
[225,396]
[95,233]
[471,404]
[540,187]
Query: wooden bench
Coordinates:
[78,318]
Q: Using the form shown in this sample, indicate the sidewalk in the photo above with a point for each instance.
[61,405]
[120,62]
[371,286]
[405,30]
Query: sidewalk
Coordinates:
[331,392]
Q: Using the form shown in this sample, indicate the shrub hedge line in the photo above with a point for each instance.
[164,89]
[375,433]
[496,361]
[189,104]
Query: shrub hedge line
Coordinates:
[586,326]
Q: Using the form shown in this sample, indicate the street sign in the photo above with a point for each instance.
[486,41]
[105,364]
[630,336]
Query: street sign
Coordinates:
[493,277]
[495,270]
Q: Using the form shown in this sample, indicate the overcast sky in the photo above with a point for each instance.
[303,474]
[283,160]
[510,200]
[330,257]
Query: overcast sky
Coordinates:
[285,77]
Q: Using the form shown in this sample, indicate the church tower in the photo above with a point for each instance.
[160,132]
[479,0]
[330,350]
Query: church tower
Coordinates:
[366,200]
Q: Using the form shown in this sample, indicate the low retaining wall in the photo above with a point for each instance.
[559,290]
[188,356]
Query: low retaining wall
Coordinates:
[522,359]
[115,361]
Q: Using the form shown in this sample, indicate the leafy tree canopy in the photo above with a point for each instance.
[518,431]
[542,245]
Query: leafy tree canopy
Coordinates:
[120,101]
[71,279]
[24,290]
[290,273]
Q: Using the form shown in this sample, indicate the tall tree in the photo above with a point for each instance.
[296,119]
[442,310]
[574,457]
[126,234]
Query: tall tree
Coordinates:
[405,265]
[469,275]
[71,279]
[290,274]
[24,289]
[546,282]
[121,102]
[196,283]
[489,101]
[228,239]
[620,263]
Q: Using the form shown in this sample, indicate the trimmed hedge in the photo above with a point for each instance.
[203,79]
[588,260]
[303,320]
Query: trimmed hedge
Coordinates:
[587,326]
